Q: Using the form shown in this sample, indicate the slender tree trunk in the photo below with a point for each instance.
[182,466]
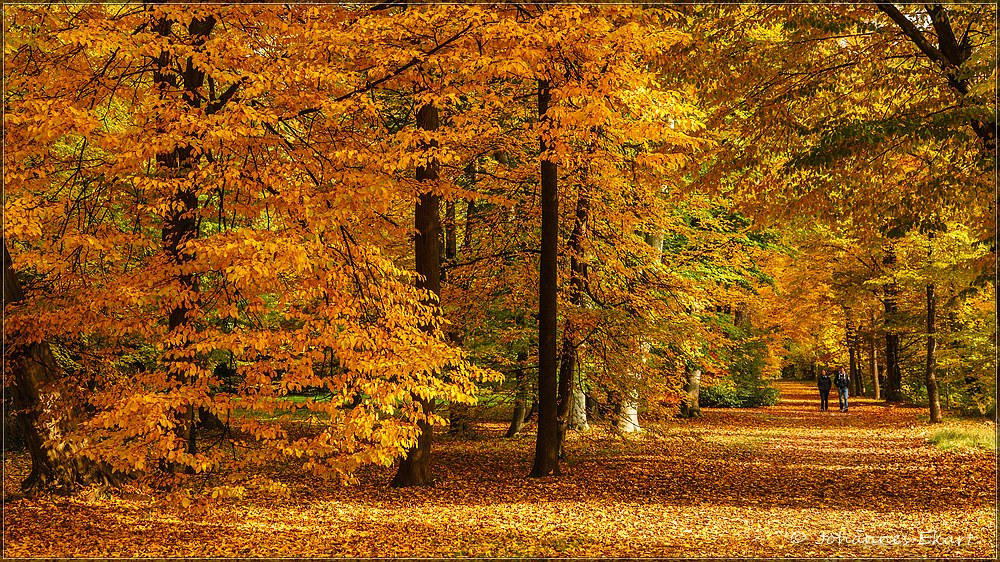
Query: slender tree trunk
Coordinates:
[852,350]
[893,375]
[873,348]
[578,272]
[932,385]
[415,469]
[567,368]
[43,414]
[470,220]
[470,205]
[547,443]
[521,410]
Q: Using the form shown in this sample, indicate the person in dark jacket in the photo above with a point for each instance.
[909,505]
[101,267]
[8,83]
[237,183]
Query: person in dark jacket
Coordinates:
[824,391]
[843,382]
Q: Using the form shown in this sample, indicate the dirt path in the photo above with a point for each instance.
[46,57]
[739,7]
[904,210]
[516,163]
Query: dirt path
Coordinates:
[787,480]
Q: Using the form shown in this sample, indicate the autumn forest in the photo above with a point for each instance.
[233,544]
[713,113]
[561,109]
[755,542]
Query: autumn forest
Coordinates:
[499,280]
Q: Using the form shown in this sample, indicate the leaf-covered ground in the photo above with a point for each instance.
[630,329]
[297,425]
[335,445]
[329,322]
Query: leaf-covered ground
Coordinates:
[781,481]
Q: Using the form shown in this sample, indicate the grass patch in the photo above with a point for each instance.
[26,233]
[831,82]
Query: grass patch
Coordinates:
[950,438]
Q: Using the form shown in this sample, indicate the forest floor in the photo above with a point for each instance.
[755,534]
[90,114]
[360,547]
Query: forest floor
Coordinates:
[782,481]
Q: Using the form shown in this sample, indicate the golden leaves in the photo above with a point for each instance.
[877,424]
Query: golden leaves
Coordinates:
[753,483]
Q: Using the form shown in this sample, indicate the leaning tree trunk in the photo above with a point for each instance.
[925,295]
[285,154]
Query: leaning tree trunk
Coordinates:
[547,442]
[692,390]
[932,385]
[43,414]
[415,469]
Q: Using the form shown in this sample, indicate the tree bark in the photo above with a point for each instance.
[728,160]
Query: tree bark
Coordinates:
[852,351]
[521,410]
[893,375]
[43,415]
[578,272]
[932,385]
[180,225]
[547,443]
[873,349]
[414,468]
[578,411]
[692,389]
[627,413]
[470,205]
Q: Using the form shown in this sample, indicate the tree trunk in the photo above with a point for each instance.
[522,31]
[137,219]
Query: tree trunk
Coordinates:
[567,366]
[458,419]
[873,348]
[932,385]
[893,375]
[470,205]
[692,389]
[578,411]
[414,469]
[547,443]
[180,225]
[578,272]
[521,410]
[518,418]
[627,413]
[42,413]
[852,350]
[451,237]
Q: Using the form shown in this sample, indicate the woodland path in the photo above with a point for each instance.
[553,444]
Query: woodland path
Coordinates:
[761,482]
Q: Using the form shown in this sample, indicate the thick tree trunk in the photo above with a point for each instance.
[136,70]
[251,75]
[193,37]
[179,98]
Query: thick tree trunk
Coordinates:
[547,443]
[180,225]
[692,389]
[414,469]
[43,415]
[578,411]
[932,385]
[627,413]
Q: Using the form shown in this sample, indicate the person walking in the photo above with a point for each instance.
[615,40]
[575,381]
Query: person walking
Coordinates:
[843,382]
[824,391]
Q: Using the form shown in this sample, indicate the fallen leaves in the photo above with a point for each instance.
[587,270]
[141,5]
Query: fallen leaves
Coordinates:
[785,481]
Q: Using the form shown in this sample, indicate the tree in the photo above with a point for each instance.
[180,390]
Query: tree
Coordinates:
[221,198]
[36,372]
[414,468]
[547,443]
